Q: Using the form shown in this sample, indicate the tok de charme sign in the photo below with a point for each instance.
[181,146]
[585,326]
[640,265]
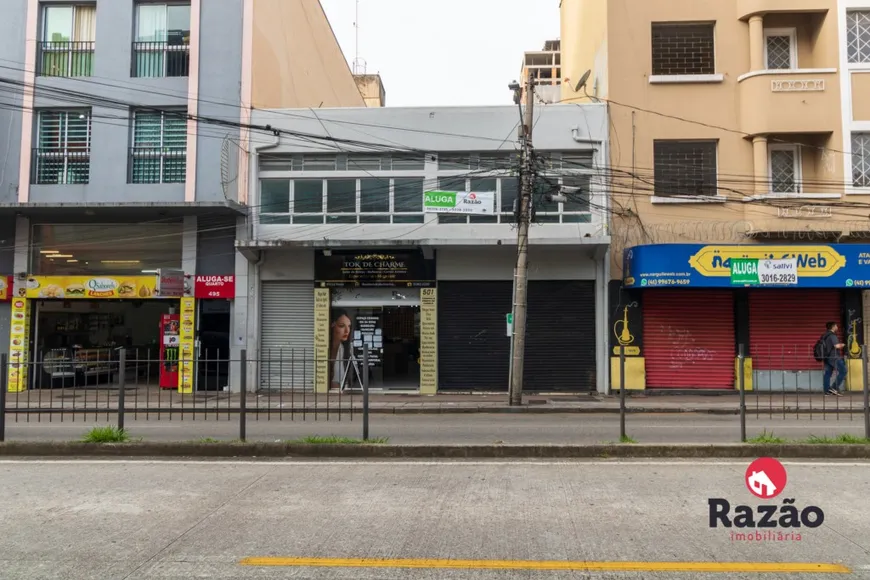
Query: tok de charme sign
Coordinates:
[371,270]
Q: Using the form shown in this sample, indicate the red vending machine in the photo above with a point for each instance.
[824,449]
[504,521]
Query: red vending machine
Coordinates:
[170,325]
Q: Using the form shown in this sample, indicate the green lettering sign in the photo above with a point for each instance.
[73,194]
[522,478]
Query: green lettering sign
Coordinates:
[744,271]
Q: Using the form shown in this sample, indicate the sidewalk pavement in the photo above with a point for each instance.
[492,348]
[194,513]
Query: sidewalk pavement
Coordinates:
[149,398]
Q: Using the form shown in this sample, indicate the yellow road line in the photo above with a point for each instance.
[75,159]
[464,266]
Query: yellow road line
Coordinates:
[580,565]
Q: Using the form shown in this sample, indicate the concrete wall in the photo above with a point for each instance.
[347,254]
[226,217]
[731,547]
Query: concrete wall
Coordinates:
[216,252]
[12,31]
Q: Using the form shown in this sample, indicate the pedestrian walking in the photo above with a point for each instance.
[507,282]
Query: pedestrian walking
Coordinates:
[828,350]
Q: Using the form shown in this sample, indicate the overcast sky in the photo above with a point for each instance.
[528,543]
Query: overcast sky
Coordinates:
[444,52]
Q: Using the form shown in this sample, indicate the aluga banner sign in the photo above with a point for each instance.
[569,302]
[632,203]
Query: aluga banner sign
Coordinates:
[467,202]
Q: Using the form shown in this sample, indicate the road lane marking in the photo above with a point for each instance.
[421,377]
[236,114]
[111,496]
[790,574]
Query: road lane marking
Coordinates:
[314,462]
[580,565]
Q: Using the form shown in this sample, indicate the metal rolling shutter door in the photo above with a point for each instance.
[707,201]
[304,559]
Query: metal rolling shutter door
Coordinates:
[473,346]
[287,335]
[784,325]
[560,338]
[689,338]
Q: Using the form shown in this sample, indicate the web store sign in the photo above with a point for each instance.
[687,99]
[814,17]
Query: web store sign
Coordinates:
[723,266]
[372,269]
[464,202]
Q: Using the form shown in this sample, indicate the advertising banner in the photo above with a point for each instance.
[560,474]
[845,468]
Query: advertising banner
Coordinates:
[187,343]
[19,346]
[90,287]
[215,287]
[6,285]
[356,269]
[321,340]
[710,266]
[428,341]
[170,283]
[170,332]
[465,202]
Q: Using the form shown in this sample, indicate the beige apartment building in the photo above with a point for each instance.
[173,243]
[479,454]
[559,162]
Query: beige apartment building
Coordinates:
[740,129]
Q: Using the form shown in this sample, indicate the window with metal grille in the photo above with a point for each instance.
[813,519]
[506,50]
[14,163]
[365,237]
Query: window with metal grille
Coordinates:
[683,49]
[63,152]
[785,168]
[66,46]
[858,35]
[159,151]
[861,159]
[684,167]
[780,48]
[162,45]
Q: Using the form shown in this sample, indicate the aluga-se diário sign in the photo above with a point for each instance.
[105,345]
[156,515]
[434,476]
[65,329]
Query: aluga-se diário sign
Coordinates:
[467,202]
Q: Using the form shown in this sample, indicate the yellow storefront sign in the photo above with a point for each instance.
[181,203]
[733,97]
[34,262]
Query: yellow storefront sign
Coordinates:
[19,354]
[321,340]
[812,261]
[186,344]
[90,287]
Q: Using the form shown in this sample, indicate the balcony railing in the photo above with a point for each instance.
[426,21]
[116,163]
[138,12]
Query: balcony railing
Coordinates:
[65,59]
[160,59]
[157,165]
[60,166]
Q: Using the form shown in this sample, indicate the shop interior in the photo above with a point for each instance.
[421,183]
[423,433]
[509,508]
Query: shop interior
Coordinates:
[214,345]
[391,329]
[77,340]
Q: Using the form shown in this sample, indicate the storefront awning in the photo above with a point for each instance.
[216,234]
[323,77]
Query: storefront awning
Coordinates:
[709,266]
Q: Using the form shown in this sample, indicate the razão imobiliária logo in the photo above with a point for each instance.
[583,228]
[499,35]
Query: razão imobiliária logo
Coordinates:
[765,478]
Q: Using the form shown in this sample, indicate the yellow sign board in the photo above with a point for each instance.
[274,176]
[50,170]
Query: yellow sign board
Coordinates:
[428,341]
[812,261]
[321,340]
[186,343]
[89,287]
[19,346]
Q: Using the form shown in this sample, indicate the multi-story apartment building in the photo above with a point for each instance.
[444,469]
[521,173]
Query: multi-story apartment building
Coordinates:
[740,129]
[126,127]
[545,68]
[351,244]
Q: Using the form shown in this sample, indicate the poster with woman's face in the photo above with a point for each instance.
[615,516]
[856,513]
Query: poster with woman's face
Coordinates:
[341,329]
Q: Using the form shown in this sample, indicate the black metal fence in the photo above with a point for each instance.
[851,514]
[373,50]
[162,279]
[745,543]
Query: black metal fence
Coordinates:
[160,59]
[118,384]
[788,383]
[65,59]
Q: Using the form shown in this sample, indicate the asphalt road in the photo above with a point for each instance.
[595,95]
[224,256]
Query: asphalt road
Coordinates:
[477,428]
[161,519]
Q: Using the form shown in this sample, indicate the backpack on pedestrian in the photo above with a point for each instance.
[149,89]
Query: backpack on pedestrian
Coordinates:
[819,351]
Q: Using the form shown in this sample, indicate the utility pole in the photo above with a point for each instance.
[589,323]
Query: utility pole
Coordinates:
[521,273]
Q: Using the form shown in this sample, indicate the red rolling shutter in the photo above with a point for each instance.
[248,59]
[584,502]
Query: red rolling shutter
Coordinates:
[688,338]
[784,325]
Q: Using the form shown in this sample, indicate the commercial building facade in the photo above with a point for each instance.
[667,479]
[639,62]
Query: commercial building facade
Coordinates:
[121,195]
[744,132]
[346,249]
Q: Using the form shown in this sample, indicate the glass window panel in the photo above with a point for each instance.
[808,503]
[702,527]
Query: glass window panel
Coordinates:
[58,23]
[407,195]
[364,163]
[50,130]
[341,196]
[374,219]
[146,129]
[578,201]
[275,196]
[307,197]
[374,195]
[178,24]
[408,219]
[174,131]
[485,184]
[279,219]
[151,23]
[341,219]
[308,219]
[509,192]
[107,248]
[452,184]
[449,162]
[318,163]
[85,23]
[409,162]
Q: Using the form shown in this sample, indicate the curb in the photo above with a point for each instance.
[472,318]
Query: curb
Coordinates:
[287,450]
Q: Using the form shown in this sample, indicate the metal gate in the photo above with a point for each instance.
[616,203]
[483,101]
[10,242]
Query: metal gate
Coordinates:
[689,338]
[287,335]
